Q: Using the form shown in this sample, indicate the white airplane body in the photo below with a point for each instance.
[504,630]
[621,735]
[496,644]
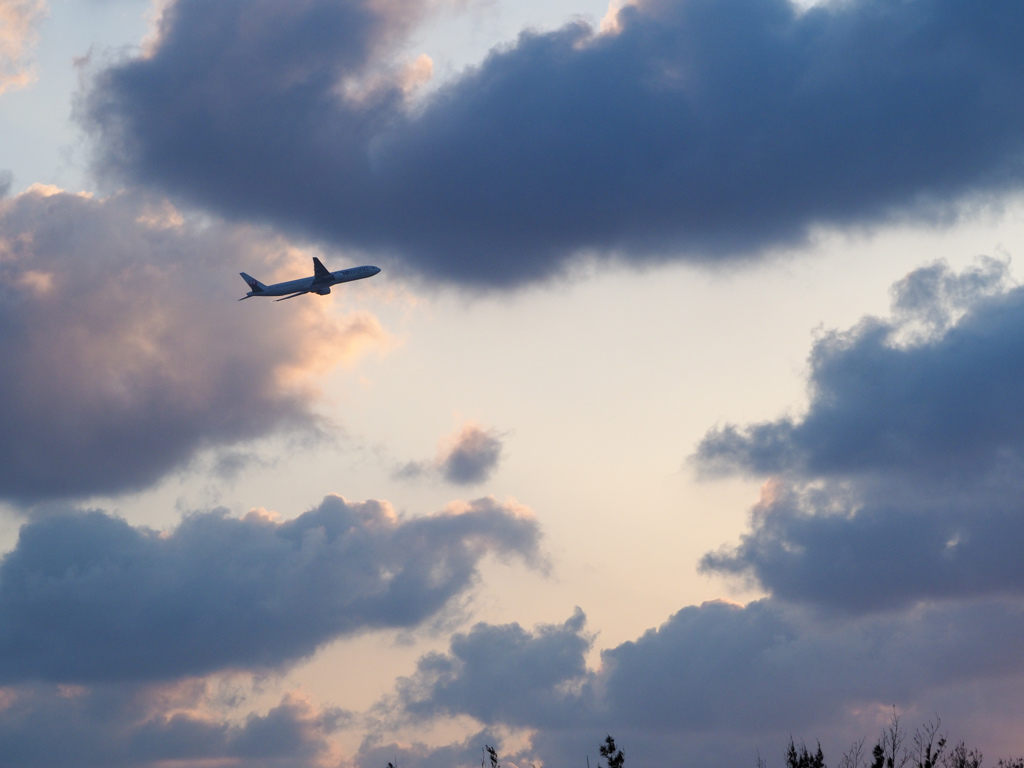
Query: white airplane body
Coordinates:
[320,282]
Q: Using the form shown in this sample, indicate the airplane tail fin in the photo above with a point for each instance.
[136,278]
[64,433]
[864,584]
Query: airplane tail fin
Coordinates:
[254,285]
[319,270]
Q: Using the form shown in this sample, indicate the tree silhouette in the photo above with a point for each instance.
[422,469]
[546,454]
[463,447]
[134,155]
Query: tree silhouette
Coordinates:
[929,745]
[960,757]
[888,751]
[801,758]
[614,757]
[854,756]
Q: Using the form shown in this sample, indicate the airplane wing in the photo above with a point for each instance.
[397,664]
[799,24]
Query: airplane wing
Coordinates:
[320,272]
[300,293]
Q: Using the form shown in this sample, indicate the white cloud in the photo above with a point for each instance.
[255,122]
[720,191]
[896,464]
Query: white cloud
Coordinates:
[18,36]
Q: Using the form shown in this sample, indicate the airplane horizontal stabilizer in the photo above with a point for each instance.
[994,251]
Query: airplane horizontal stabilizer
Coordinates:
[254,285]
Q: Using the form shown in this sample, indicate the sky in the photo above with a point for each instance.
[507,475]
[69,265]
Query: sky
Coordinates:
[685,408]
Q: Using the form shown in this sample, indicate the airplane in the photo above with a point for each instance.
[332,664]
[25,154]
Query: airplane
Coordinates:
[320,282]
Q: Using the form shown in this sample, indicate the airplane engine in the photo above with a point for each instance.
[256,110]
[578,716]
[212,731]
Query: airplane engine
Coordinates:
[324,291]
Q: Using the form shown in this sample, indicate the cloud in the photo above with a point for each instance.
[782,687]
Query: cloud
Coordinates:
[87,597]
[716,679]
[700,130]
[126,726]
[125,352]
[810,669]
[18,21]
[501,674]
[472,457]
[867,547]
[467,457]
[945,404]
[902,481]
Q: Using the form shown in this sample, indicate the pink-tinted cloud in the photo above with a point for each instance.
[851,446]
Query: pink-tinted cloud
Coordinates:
[133,726]
[125,350]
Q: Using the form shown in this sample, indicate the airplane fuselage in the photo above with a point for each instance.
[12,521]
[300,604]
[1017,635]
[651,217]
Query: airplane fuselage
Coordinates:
[319,283]
[311,284]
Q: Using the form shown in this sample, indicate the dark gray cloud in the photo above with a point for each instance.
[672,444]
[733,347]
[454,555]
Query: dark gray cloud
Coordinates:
[701,667]
[467,457]
[903,480]
[882,546]
[125,353]
[87,597]
[474,454]
[945,403]
[123,726]
[701,130]
[501,674]
[716,679]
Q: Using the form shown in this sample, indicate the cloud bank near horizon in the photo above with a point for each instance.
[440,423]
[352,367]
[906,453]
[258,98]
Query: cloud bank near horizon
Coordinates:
[719,681]
[704,130]
[133,726]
